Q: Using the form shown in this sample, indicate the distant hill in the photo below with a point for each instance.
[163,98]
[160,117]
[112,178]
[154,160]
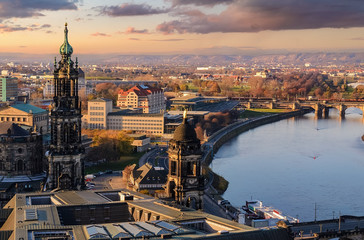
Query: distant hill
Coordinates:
[297,59]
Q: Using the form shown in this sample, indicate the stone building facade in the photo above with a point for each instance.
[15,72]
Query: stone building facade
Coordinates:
[22,165]
[26,114]
[65,158]
[20,151]
[185,183]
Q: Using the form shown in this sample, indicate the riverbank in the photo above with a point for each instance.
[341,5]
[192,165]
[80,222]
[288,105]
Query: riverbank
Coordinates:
[215,141]
[225,134]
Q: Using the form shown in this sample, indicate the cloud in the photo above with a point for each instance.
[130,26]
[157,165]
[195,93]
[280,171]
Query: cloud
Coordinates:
[98,34]
[260,15]
[129,9]
[131,30]
[200,2]
[357,39]
[33,8]
[4,28]
[134,39]
[168,40]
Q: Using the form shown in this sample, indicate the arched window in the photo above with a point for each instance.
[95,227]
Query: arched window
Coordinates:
[20,165]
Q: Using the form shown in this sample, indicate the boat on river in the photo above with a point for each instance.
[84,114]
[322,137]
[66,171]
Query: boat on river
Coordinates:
[258,215]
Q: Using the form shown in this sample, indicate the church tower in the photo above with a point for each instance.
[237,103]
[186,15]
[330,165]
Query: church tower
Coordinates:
[185,184]
[65,153]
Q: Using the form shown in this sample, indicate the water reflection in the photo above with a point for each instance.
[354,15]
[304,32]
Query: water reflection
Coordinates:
[295,163]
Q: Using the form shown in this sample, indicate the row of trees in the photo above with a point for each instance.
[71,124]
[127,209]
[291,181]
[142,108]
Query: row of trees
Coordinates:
[108,144]
[280,86]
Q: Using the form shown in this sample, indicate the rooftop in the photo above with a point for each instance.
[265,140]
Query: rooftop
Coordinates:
[140,90]
[28,108]
[127,112]
[100,100]
[92,215]
[12,129]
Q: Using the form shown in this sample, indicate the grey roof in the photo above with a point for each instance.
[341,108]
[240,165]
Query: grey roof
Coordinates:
[115,231]
[97,232]
[128,112]
[135,230]
[153,229]
[100,100]
[147,174]
[15,129]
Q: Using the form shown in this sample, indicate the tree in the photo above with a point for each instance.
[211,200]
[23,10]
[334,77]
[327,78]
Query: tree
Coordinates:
[215,88]
[108,144]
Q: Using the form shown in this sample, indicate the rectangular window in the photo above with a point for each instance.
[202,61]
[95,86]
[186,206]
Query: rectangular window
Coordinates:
[173,168]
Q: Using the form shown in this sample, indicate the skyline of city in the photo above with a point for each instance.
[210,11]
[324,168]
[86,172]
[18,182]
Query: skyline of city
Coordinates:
[143,138]
[197,27]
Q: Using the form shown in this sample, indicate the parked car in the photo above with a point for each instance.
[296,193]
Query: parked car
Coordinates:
[224,202]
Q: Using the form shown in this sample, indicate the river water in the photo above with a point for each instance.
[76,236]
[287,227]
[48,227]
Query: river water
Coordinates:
[293,164]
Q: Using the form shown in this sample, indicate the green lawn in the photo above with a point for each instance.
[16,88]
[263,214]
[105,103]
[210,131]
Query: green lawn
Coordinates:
[115,165]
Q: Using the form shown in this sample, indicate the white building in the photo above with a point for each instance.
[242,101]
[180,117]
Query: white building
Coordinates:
[101,116]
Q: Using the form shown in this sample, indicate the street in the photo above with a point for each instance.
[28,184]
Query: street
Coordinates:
[329,226]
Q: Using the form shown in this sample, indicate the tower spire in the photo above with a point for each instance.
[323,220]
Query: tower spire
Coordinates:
[185,116]
[66,48]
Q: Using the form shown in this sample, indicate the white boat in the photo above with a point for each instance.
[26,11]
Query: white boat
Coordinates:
[255,210]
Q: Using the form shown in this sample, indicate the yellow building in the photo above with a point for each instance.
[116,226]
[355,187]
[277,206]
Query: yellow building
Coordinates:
[26,114]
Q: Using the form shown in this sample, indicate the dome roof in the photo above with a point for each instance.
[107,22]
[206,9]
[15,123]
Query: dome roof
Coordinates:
[185,132]
[66,48]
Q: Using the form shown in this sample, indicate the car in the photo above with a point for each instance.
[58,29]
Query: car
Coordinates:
[108,172]
[224,202]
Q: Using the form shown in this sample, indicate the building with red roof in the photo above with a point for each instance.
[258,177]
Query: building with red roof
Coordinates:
[150,99]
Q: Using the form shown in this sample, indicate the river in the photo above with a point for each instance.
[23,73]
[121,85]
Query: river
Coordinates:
[296,163]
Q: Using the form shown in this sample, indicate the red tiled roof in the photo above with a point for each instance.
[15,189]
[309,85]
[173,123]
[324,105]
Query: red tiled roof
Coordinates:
[140,91]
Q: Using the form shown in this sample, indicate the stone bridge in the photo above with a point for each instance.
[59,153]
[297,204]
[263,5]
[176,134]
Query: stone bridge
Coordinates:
[321,108]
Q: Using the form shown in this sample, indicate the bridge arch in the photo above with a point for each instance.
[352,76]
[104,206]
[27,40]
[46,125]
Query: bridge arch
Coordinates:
[361,108]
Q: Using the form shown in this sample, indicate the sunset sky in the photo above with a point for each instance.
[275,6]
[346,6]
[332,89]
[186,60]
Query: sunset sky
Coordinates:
[182,26]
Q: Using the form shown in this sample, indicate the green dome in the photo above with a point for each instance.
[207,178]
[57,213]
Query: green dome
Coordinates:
[66,48]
